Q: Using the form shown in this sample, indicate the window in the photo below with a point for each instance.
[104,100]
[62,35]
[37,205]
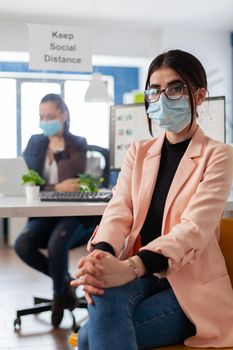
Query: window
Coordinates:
[8,130]
[90,120]
[20,112]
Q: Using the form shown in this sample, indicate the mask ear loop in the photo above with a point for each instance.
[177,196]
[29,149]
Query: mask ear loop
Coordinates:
[195,94]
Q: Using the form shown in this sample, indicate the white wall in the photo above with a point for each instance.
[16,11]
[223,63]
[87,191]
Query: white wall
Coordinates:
[13,37]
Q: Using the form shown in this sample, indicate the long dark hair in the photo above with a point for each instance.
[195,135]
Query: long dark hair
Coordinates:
[61,106]
[188,67]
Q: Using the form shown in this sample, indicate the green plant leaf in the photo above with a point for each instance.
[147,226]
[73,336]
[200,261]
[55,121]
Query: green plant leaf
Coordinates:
[89,183]
[32,178]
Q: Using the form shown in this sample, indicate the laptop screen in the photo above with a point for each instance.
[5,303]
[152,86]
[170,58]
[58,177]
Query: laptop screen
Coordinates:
[11,171]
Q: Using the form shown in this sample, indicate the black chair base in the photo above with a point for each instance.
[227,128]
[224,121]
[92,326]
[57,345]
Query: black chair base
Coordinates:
[42,305]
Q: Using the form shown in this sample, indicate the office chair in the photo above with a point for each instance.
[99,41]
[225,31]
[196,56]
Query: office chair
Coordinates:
[97,165]
[226,244]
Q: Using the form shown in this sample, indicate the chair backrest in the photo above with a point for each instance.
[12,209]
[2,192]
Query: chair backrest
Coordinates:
[226,244]
[98,163]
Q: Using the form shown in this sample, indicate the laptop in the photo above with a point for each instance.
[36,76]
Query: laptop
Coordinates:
[11,171]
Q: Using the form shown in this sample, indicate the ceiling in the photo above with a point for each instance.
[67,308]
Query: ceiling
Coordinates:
[122,14]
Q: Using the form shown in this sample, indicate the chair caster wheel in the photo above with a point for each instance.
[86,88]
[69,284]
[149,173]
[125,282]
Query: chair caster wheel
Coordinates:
[17,324]
[75,328]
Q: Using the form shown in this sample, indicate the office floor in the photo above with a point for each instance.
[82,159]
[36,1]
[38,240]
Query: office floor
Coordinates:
[17,285]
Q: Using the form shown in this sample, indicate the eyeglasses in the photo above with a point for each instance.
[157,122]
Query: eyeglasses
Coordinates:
[172,92]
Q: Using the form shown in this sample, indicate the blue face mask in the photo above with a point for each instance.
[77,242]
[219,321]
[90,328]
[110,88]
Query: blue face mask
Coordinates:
[51,127]
[171,115]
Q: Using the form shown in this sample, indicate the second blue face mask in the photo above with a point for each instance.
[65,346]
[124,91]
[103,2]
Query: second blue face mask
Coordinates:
[171,115]
[51,127]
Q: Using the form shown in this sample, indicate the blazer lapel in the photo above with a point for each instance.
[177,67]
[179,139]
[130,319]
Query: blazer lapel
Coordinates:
[184,170]
[149,175]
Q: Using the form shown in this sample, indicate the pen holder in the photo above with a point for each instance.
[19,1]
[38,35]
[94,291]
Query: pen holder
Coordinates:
[32,192]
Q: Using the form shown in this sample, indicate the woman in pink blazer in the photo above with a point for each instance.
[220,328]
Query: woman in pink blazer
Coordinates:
[155,274]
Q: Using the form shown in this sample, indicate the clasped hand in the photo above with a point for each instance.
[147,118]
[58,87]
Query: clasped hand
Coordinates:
[100,270]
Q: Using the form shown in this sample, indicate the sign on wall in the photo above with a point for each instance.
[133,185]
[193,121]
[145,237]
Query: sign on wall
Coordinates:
[60,48]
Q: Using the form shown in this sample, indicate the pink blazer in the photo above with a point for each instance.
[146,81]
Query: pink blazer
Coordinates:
[190,230]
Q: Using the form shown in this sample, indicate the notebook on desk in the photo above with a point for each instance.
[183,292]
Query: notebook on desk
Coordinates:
[11,172]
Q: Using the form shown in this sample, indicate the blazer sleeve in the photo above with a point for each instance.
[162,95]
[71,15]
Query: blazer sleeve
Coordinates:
[34,153]
[200,219]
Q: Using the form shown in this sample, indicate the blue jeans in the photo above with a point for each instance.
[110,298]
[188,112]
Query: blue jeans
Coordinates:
[139,315]
[58,235]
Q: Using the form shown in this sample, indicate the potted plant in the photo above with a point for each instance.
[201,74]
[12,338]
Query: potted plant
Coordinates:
[89,183]
[32,181]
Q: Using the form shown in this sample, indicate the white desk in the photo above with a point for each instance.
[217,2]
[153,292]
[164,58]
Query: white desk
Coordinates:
[20,207]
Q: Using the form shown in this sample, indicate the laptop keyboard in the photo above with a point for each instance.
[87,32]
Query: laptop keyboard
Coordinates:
[51,196]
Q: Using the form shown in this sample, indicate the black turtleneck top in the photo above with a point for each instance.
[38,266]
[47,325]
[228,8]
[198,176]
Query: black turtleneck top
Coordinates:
[171,155]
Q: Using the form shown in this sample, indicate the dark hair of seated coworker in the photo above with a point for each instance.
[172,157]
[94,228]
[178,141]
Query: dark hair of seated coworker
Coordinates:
[188,67]
[61,106]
